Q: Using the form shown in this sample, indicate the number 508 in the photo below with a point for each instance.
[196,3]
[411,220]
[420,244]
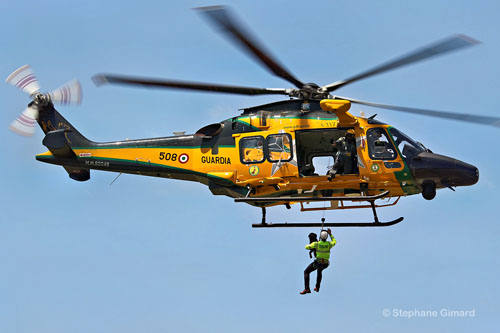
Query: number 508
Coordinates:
[168,156]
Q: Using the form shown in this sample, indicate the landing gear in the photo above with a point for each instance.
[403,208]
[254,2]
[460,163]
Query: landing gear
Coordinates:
[333,225]
[428,190]
[371,199]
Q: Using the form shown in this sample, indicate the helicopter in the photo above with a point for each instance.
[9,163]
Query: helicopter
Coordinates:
[266,155]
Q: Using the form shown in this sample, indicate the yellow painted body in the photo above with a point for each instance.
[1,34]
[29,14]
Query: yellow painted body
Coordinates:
[226,164]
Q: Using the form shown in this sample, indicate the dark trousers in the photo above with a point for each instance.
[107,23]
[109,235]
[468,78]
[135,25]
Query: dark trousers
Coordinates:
[311,268]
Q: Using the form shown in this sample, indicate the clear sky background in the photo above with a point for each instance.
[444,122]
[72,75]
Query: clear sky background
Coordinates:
[156,255]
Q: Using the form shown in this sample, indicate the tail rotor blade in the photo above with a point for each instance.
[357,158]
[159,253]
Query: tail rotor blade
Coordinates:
[25,123]
[24,79]
[70,93]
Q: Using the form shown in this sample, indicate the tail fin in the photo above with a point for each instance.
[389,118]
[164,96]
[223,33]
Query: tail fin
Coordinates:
[60,138]
[51,120]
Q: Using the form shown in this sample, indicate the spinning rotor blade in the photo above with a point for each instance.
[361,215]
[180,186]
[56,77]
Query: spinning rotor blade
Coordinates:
[24,79]
[221,17]
[69,93]
[101,79]
[470,118]
[25,123]
[447,45]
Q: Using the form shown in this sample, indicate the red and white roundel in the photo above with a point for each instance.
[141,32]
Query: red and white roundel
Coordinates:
[183,158]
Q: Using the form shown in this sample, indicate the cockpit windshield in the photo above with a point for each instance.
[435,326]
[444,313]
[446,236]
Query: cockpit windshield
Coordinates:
[405,144]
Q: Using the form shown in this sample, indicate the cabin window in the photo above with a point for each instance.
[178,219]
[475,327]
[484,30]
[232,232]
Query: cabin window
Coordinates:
[379,145]
[279,147]
[252,149]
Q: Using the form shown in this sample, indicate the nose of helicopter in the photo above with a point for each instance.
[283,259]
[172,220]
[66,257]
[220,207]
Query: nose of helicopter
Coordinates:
[467,173]
[442,170]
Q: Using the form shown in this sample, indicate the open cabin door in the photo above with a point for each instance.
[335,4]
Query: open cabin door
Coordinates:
[318,151]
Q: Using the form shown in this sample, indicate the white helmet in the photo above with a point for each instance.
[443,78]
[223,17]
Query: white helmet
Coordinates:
[323,235]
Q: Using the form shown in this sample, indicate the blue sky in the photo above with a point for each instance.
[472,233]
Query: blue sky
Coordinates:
[159,255]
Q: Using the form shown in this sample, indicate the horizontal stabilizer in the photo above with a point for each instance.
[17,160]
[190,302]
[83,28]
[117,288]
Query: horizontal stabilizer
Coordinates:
[57,143]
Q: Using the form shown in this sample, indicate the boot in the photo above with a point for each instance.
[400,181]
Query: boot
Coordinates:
[316,289]
[305,291]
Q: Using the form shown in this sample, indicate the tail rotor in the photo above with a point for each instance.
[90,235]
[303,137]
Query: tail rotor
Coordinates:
[69,93]
[25,80]
[25,123]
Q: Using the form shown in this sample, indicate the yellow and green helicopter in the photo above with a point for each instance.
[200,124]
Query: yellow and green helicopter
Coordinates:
[267,156]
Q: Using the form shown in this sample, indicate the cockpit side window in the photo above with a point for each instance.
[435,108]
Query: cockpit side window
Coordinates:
[379,145]
[407,147]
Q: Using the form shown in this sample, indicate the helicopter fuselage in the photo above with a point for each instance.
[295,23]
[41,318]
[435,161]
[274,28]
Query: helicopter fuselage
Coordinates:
[269,151]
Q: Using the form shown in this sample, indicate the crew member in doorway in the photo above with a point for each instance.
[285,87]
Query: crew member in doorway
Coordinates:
[321,262]
[346,158]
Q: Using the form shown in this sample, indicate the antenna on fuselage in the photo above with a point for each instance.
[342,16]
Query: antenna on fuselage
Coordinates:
[115,178]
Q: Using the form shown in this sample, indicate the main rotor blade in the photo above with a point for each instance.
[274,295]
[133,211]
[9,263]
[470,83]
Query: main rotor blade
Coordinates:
[101,79]
[470,118]
[447,45]
[221,17]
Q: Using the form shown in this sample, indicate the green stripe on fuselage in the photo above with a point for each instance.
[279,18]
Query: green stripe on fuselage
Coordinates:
[151,147]
[404,177]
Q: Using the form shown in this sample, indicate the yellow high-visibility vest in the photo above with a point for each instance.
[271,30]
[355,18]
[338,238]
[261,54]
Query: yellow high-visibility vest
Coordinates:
[322,248]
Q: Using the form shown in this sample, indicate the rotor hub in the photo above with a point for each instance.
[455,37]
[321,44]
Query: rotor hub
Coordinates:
[40,99]
[310,91]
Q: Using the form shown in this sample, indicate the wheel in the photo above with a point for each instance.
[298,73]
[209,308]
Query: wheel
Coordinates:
[428,190]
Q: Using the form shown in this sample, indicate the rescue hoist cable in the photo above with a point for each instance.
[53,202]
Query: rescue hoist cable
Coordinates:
[324,203]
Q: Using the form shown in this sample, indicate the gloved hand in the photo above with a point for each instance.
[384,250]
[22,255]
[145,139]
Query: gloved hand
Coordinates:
[329,231]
